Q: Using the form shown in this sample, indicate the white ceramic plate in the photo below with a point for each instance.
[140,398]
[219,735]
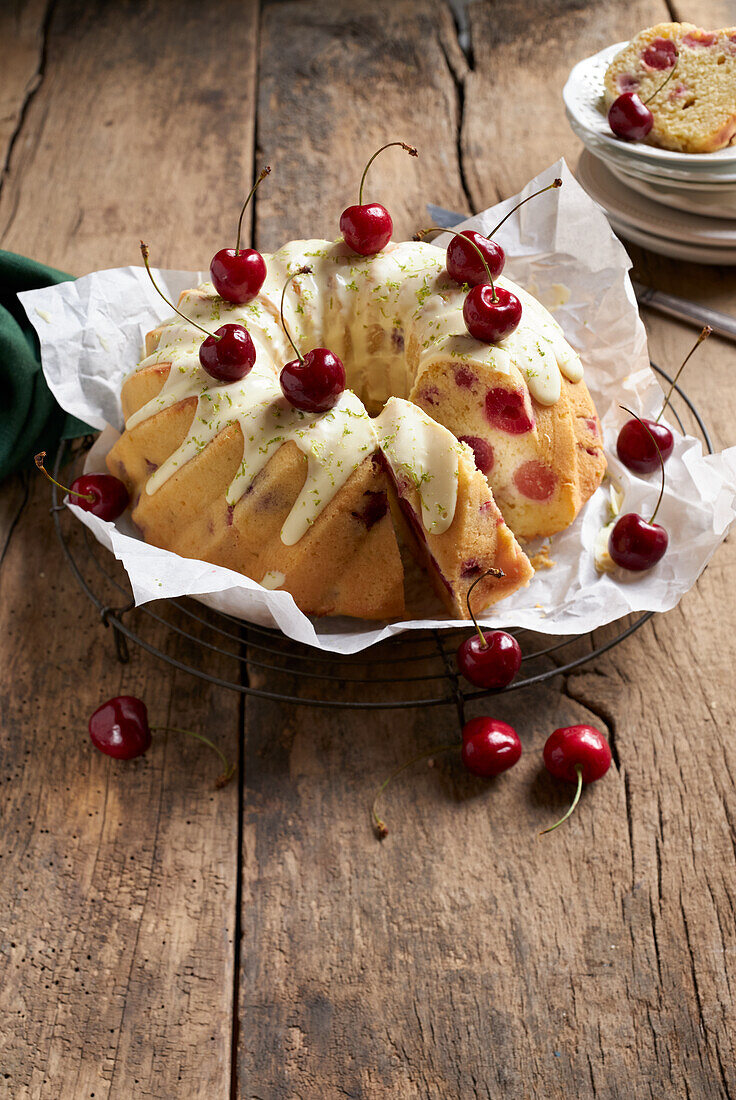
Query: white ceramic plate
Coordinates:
[583,95]
[644,213]
[695,253]
[702,200]
[617,152]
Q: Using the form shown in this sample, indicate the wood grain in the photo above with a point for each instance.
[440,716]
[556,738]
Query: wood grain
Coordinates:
[117,914]
[465,956]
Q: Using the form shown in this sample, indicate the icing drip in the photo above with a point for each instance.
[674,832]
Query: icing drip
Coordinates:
[389,317]
[427,454]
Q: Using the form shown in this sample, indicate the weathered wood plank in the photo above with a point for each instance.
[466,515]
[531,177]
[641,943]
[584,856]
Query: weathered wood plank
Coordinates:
[142,127]
[22,33]
[514,121]
[117,916]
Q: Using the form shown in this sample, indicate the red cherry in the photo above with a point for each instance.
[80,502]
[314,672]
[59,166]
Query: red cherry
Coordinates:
[101,494]
[120,727]
[505,410]
[491,313]
[489,660]
[491,663]
[366,229]
[238,274]
[635,544]
[640,438]
[464,265]
[489,746]
[629,118]
[110,498]
[638,450]
[482,452]
[315,382]
[578,754]
[229,355]
[661,53]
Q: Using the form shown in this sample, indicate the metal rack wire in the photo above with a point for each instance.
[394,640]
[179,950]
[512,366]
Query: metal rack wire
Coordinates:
[410,670]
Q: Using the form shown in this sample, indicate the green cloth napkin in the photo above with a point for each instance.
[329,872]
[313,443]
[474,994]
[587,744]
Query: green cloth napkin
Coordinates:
[30,419]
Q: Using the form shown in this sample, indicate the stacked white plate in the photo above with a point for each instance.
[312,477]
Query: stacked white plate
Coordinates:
[679,204]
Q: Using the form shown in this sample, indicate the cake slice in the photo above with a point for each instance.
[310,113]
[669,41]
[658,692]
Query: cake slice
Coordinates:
[458,543]
[695,112]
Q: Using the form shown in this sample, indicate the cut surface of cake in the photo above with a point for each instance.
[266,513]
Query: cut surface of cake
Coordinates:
[695,112]
[435,425]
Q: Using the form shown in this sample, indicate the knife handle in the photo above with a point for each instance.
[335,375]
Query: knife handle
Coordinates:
[699,315]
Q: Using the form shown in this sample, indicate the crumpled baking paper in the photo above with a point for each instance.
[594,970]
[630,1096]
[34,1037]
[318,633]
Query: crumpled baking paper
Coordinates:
[561,248]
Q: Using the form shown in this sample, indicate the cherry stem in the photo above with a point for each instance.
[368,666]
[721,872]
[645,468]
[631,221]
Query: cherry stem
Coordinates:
[73,492]
[575,801]
[265,172]
[300,271]
[659,456]
[379,825]
[144,254]
[703,336]
[229,772]
[665,81]
[410,150]
[549,187]
[441,229]
[497,573]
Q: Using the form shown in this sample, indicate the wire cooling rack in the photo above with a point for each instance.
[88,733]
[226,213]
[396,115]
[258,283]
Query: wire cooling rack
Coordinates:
[416,669]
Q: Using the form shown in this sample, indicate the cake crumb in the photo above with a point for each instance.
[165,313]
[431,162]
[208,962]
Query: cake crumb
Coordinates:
[542,560]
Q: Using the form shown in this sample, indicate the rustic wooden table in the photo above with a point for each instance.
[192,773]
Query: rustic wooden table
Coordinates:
[162,939]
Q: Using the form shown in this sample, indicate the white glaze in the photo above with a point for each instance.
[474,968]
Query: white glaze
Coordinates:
[370,310]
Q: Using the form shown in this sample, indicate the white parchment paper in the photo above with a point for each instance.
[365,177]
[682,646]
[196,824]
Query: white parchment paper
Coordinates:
[561,248]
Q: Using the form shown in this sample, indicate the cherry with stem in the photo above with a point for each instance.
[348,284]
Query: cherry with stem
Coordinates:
[634,443]
[228,354]
[238,274]
[491,659]
[636,544]
[490,313]
[367,227]
[462,262]
[576,754]
[104,495]
[120,728]
[313,382]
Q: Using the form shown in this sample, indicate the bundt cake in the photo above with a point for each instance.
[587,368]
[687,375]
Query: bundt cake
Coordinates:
[452,442]
[696,110]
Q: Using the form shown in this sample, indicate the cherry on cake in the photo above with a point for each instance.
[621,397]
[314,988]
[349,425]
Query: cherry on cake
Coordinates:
[695,111]
[453,445]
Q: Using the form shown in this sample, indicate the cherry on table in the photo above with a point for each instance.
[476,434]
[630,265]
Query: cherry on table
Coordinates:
[315,381]
[489,746]
[577,754]
[229,354]
[120,728]
[239,273]
[488,659]
[103,495]
[367,227]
